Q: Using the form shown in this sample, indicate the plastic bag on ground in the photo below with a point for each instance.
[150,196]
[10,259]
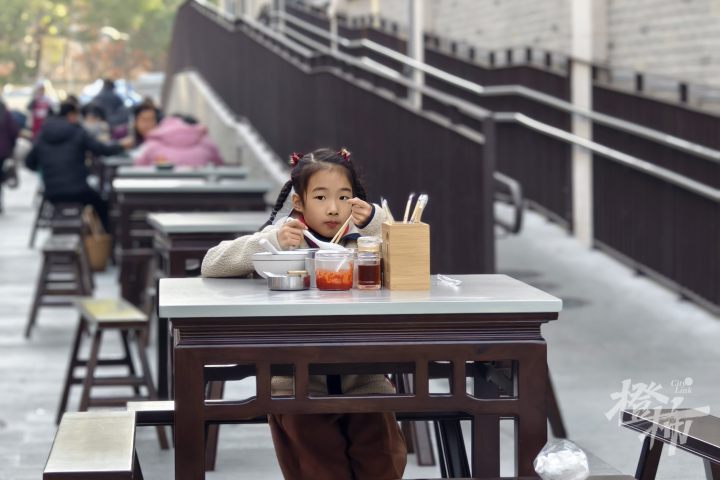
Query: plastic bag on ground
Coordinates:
[561,460]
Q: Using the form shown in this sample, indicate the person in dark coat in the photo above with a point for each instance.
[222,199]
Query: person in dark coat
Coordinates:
[115,112]
[8,136]
[59,154]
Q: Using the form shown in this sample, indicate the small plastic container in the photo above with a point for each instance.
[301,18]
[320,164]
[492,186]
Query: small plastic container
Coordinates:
[369,268]
[334,270]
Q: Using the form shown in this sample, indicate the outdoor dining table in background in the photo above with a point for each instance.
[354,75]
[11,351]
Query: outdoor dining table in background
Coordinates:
[240,322]
[209,172]
[180,237]
[134,198]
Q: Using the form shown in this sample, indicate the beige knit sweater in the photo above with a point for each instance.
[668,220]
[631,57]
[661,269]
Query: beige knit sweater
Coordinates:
[233,258]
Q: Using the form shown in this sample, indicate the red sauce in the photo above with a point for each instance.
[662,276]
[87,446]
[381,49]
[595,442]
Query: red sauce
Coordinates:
[328,280]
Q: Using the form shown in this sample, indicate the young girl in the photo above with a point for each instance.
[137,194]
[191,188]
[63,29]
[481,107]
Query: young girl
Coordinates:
[326,191]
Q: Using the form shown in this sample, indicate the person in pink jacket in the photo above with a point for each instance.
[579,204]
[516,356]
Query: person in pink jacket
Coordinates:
[179,141]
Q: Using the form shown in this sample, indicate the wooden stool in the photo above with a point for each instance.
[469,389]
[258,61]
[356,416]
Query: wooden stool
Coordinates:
[43,215]
[98,316]
[94,445]
[67,218]
[65,273]
[690,430]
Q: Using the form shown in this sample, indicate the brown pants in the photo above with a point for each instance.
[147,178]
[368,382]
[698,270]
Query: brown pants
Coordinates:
[355,446]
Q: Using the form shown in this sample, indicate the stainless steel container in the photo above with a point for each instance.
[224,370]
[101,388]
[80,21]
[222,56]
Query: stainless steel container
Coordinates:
[294,280]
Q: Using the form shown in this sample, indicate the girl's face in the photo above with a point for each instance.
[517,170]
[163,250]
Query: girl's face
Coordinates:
[145,121]
[325,207]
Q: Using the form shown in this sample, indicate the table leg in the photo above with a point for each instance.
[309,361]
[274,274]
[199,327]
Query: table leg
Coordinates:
[189,417]
[486,429]
[162,361]
[531,426]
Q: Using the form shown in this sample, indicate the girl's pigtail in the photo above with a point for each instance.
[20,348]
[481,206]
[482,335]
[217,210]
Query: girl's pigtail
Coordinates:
[358,188]
[284,192]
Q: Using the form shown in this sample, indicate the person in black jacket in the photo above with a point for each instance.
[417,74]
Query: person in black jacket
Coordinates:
[112,104]
[59,155]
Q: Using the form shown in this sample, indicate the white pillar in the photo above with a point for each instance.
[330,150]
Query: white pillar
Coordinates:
[281,20]
[332,17]
[581,95]
[375,13]
[416,47]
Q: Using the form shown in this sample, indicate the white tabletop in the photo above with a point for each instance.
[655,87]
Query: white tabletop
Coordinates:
[187,185]
[150,171]
[218,297]
[117,160]
[207,222]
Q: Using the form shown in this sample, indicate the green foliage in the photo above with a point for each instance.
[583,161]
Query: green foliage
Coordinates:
[24,24]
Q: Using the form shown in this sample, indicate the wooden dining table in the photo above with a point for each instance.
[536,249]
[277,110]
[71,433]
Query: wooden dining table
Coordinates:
[186,237]
[209,172]
[135,198]
[451,328]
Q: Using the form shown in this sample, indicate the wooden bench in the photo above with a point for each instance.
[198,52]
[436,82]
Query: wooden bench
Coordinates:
[99,316]
[64,275]
[97,445]
[689,430]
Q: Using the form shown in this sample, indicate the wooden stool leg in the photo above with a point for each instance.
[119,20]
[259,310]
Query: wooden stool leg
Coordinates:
[90,369]
[451,449]
[128,358]
[215,392]
[712,470]
[87,275]
[82,286]
[70,375]
[141,341]
[137,471]
[36,223]
[649,459]
[553,411]
[39,293]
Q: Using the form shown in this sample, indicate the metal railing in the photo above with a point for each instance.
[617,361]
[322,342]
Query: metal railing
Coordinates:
[634,212]
[505,90]
[479,113]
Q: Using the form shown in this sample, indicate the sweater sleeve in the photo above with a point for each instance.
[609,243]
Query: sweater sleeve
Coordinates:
[233,258]
[374,227]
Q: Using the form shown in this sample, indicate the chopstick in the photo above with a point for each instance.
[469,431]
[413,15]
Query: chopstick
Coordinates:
[338,235]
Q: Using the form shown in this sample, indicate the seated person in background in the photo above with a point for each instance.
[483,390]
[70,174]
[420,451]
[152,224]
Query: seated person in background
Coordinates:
[116,115]
[179,141]
[94,122]
[59,155]
[145,117]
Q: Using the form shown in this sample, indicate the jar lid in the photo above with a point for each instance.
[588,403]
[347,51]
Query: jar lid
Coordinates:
[297,273]
[369,244]
[333,254]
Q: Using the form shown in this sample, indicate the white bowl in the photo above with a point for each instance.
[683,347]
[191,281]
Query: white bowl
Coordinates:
[279,263]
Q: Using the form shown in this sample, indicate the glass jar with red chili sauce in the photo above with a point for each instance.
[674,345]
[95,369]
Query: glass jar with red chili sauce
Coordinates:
[334,270]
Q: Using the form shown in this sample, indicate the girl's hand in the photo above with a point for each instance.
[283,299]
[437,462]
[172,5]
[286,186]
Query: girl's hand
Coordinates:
[360,212]
[290,234]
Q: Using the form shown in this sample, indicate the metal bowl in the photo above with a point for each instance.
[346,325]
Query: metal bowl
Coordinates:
[289,282]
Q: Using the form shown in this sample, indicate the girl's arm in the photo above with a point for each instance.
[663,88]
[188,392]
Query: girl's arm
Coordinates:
[233,258]
[374,227]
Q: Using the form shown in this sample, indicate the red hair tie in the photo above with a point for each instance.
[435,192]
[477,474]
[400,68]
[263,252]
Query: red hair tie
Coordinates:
[344,154]
[295,158]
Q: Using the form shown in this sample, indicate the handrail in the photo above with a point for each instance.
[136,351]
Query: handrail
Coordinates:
[622,158]
[515,198]
[522,119]
[502,90]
